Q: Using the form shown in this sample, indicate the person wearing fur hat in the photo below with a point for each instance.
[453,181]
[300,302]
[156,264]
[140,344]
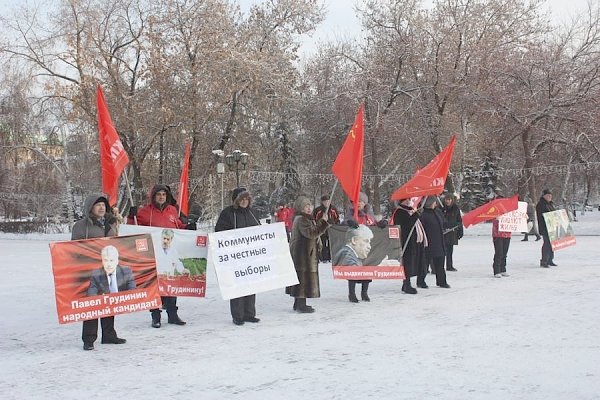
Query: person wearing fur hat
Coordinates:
[543,206]
[161,211]
[453,227]
[305,246]
[433,223]
[98,221]
[239,215]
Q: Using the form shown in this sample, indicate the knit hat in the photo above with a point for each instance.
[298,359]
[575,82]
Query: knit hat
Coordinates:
[362,196]
[546,191]
[325,197]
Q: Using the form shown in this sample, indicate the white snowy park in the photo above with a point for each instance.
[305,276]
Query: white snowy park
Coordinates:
[533,335]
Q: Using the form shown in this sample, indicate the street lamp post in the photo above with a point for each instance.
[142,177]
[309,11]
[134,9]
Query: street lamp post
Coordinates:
[234,160]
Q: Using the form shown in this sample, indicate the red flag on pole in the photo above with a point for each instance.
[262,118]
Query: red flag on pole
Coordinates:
[491,210]
[183,193]
[429,180]
[349,162]
[113,157]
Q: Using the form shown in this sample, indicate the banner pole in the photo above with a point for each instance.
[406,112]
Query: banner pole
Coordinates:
[130,196]
[331,197]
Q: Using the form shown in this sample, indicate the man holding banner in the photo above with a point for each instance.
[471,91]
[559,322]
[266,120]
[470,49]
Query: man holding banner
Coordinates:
[161,212]
[98,221]
[239,215]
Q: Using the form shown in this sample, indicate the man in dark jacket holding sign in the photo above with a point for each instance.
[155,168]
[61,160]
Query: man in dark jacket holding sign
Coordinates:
[98,221]
[239,215]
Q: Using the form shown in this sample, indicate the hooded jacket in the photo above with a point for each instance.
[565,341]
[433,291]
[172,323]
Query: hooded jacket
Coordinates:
[91,227]
[153,214]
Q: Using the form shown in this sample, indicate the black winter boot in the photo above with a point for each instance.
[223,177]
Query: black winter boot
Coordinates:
[303,308]
[174,318]
[363,293]
[156,318]
[407,287]
[351,292]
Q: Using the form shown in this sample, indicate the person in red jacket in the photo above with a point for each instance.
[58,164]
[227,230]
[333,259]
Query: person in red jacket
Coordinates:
[161,212]
[285,214]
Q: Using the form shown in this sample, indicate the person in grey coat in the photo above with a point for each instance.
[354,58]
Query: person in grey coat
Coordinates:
[98,221]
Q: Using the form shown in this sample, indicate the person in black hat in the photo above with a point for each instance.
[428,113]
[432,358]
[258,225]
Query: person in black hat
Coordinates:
[334,219]
[543,206]
[239,215]
[453,228]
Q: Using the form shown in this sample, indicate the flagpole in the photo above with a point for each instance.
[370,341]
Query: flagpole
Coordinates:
[130,196]
[331,197]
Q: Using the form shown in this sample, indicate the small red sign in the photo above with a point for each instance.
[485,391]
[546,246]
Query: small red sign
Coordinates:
[394,232]
[201,241]
[141,244]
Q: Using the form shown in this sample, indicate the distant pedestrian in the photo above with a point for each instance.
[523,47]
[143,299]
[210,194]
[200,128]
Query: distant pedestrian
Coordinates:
[531,220]
[543,206]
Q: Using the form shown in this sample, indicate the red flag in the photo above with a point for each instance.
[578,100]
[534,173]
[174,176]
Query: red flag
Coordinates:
[491,210]
[183,193]
[349,162]
[430,179]
[113,158]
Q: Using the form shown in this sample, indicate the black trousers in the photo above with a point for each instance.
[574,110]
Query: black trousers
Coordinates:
[437,263]
[90,329]
[243,307]
[547,253]
[325,250]
[500,251]
[169,303]
[449,251]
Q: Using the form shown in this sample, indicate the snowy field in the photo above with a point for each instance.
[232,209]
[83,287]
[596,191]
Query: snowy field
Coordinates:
[533,335]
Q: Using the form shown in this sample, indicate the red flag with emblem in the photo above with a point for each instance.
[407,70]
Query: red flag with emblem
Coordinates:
[348,165]
[429,180]
[491,210]
[113,157]
[183,193]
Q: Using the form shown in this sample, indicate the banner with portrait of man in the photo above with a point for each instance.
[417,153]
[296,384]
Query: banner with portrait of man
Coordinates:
[251,260]
[97,278]
[560,231]
[366,252]
[180,259]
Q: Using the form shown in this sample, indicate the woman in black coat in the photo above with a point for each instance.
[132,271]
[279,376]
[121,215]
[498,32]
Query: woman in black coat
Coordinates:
[453,221]
[239,215]
[412,241]
[435,252]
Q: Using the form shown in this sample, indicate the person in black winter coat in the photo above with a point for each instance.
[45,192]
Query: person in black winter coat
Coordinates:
[453,226]
[433,223]
[543,206]
[413,242]
[239,215]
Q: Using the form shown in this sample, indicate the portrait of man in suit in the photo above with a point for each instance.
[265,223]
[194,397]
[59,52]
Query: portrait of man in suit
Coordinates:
[112,277]
[357,248]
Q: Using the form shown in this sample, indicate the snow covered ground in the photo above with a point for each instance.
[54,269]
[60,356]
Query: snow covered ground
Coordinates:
[533,335]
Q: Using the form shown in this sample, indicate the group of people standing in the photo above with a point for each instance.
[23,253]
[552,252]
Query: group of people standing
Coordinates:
[428,236]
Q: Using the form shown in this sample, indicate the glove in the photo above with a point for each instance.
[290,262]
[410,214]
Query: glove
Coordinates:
[352,224]
[382,223]
[132,211]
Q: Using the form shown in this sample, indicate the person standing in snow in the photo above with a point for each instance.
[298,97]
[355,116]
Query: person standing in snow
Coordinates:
[236,216]
[305,247]
[333,219]
[543,206]
[161,212]
[501,243]
[453,227]
[433,223]
[98,221]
